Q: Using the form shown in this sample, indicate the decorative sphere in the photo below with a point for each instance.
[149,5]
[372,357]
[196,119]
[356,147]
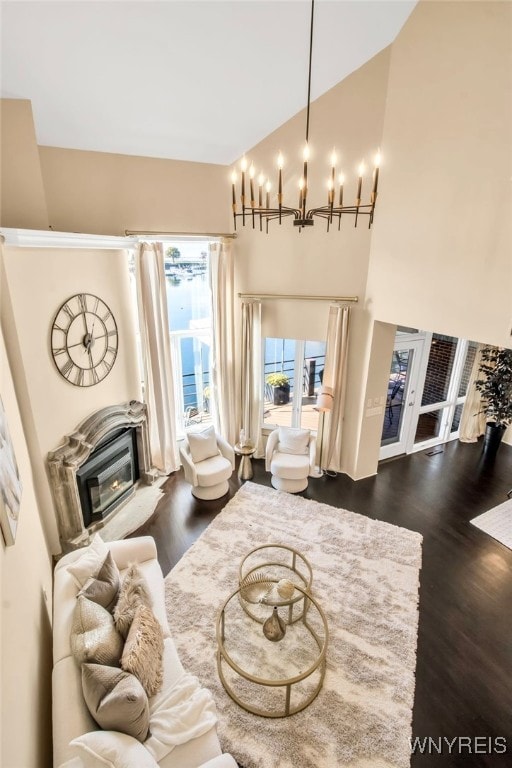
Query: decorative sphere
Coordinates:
[285,588]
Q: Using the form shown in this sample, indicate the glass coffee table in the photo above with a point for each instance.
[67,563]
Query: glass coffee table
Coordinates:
[272,678]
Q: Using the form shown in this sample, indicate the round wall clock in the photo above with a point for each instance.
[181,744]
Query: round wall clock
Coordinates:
[84,340]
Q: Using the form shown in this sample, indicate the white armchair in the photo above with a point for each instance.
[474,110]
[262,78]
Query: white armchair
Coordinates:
[291,457]
[208,463]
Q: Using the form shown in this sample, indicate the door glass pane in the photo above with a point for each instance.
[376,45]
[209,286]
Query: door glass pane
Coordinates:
[313,371]
[466,371]
[456,418]
[279,381]
[400,364]
[293,373]
[439,369]
[429,425]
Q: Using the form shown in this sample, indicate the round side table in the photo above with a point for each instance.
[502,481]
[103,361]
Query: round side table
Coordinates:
[245,468]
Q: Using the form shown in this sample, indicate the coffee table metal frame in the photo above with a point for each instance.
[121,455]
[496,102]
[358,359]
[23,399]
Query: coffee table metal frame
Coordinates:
[285,682]
[298,565]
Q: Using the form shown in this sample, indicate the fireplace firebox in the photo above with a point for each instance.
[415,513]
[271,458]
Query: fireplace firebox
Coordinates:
[108,477]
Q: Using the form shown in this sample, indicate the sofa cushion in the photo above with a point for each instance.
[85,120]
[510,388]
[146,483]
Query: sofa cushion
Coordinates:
[89,562]
[290,466]
[203,445]
[133,592]
[143,650]
[116,700]
[103,588]
[292,440]
[213,470]
[112,750]
[94,637]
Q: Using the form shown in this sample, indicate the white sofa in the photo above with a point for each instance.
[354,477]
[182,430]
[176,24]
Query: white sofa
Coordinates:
[71,718]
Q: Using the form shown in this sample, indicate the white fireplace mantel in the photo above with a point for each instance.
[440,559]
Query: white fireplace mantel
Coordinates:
[64,462]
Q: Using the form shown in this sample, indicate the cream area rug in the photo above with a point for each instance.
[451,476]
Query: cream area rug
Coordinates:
[366,578]
[497,522]
[134,513]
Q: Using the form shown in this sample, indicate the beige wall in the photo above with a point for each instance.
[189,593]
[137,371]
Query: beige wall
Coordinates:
[25,594]
[22,198]
[107,194]
[350,118]
[442,241]
[37,282]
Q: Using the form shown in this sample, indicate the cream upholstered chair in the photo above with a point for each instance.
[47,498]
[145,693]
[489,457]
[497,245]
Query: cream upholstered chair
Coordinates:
[290,456]
[208,463]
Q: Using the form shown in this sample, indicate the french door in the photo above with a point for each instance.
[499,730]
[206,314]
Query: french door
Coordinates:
[403,382]
[427,386]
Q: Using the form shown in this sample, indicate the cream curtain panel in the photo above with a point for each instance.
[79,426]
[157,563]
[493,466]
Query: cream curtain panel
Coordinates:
[472,421]
[222,360]
[251,391]
[335,373]
[156,356]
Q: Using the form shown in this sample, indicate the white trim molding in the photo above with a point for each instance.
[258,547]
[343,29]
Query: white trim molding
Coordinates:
[36,238]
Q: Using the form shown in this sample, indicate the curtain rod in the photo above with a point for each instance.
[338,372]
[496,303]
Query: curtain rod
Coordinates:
[198,235]
[295,296]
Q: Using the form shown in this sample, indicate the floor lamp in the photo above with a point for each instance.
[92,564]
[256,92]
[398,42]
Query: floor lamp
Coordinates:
[324,402]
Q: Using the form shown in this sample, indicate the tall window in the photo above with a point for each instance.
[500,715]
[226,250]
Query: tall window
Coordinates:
[292,375]
[190,326]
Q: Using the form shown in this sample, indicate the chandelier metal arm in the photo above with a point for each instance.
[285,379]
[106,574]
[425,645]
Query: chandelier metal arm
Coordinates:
[302,217]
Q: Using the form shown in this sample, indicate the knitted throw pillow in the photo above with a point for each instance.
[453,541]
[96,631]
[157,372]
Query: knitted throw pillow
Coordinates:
[133,592]
[143,650]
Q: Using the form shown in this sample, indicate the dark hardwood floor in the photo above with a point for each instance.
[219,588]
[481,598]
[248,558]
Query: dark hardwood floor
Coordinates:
[464,659]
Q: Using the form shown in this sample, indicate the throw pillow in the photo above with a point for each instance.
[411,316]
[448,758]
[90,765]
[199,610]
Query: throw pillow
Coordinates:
[203,445]
[133,592]
[93,634]
[144,649]
[292,440]
[113,750]
[89,562]
[104,588]
[116,700]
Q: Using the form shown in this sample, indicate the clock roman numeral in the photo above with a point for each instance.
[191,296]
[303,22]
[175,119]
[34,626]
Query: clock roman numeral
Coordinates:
[112,333]
[79,378]
[106,316]
[94,376]
[82,302]
[58,351]
[67,309]
[67,368]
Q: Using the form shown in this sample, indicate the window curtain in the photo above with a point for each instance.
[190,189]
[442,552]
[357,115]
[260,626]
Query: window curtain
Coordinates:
[473,420]
[335,373]
[222,363]
[156,357]
[251,374]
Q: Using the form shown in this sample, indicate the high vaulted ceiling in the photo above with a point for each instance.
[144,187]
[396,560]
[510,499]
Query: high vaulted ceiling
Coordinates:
[201,80]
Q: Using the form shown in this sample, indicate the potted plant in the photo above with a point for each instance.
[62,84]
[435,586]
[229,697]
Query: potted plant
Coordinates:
[495,387]
[280,384]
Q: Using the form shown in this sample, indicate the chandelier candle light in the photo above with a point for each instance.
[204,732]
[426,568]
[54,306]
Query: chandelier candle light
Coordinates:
[302,216]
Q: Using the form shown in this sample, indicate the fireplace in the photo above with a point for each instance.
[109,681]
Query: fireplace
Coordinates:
[98,468]
[108,476]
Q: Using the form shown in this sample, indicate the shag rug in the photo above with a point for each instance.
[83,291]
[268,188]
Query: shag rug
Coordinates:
[497,522]
[134,513]
[365,577]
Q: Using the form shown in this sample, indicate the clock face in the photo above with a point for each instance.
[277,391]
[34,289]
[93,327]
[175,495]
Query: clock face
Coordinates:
[84,340]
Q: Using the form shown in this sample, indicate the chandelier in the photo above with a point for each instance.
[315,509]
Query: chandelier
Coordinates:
[259,210]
